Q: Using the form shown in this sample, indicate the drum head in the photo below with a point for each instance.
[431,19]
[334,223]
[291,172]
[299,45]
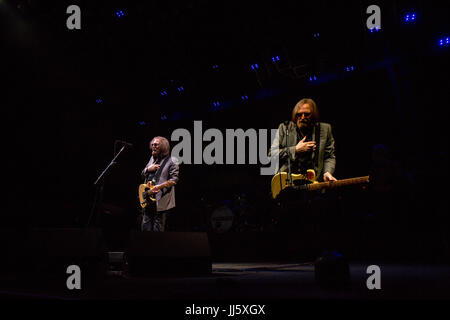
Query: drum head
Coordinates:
[221,219]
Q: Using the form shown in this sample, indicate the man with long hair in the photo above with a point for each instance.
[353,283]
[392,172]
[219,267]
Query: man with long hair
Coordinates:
[163,171]
[310,143]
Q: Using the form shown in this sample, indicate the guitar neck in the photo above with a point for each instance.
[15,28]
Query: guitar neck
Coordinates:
[335,184]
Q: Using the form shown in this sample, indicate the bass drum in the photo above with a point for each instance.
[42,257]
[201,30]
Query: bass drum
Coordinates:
[221,219]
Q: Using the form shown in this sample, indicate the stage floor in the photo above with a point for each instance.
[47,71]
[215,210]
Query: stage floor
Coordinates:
[255,281]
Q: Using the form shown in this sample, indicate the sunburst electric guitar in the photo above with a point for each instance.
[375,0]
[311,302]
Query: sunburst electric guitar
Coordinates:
[145,198]
[308,182]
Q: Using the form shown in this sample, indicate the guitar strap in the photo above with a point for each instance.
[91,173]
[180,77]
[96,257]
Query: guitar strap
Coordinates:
[317,139]
[161,167]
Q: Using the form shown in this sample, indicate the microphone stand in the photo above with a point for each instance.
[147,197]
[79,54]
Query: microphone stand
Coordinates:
[99,187]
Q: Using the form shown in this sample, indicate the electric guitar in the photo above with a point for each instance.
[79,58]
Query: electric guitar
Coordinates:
[307,182]
[145,198]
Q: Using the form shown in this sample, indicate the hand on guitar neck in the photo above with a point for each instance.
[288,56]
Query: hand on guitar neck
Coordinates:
[328,177]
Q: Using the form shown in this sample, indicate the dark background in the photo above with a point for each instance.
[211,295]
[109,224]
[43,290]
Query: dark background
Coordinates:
[58,138]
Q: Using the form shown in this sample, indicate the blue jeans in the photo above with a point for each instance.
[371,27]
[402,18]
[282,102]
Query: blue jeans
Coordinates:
[153,220]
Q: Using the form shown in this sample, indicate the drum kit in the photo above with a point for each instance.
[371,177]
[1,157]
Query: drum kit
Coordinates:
[236,215]
[221,219]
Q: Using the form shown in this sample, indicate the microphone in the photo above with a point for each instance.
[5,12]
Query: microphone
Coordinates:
[127,144]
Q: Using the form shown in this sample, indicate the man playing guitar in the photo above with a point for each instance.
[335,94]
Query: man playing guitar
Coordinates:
[310,143]
[161,176]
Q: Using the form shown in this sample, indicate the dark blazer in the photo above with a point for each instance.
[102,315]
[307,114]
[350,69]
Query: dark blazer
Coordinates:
[327,158]
[165,198]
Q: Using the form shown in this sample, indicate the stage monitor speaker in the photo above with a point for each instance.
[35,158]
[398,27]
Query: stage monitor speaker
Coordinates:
[181,253]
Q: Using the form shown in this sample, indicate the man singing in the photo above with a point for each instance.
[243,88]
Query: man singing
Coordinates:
[162,170]
[310,143]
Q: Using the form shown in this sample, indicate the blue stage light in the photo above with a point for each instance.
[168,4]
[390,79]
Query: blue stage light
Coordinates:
[254,66]
[215,66]
[163,117]
[409,17]
[216,105]
[120,14]
[99,100]
[444,42]
[142,123]
[375,29]
[164,93]
[180,89]
[275,58]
